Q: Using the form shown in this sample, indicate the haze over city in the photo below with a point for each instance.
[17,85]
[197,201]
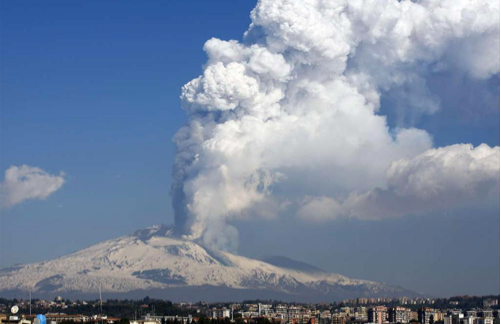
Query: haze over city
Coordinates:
[350,144]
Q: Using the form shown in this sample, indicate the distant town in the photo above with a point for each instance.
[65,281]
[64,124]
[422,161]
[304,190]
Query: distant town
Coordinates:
[454,310]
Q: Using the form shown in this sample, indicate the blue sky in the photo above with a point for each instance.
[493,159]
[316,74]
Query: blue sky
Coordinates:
[92,89]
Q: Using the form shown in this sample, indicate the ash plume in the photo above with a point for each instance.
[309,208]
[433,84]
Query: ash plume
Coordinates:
[289,119]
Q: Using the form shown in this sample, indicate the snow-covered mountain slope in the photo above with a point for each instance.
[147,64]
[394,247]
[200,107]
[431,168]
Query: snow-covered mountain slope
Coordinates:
[153,262]
[287,263]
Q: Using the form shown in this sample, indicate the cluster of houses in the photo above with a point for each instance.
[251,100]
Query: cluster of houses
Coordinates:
[359,311]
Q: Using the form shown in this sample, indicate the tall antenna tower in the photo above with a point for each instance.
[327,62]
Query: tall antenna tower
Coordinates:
[101,303]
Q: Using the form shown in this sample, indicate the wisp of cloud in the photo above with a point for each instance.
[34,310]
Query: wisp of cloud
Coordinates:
[25,182]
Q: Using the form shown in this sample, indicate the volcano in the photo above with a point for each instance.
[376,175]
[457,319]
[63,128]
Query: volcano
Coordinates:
[153,262]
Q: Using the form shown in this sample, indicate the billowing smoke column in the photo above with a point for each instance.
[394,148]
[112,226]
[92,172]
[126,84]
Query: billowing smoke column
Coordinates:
[288,121]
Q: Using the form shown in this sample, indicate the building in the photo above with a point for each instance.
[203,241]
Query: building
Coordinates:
[427,315]
[338,319]
[144,322]
[346,310]
[58,318]
[294,312]
[323,319]
[458,318]
[489,302]
[472,313]
[484,320]
[220,313]
[399,315]
[403,300]
[361,314]
[486,313]
[14,320]
[469,320]
[166,319]
[378,314]
[264,309]
[281,310]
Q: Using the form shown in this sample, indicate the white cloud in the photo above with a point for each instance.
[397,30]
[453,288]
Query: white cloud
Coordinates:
[221,88]
[447,178]
[24,182]
[292,113]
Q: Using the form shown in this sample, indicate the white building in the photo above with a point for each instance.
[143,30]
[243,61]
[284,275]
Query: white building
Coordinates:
[485,320]
[220,313]
[264,309]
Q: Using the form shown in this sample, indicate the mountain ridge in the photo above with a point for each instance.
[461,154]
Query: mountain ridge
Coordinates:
[153,262]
